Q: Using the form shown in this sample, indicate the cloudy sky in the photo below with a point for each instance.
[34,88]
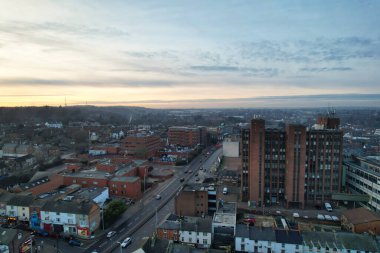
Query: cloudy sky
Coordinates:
[167,54]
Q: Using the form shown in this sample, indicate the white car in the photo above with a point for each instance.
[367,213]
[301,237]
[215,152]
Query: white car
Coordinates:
[320,217]
[296,215]
[111,233]
[158,196]
[126,242]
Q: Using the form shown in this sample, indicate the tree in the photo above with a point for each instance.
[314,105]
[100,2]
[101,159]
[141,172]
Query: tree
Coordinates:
[113,211]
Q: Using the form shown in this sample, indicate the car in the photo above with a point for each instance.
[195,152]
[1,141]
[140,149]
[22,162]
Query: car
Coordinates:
[328,217]
[186,171]
[328,207]
[158,196]
[196,174]
[250,220]
[190,171]
[197,179]
[74,242]
[201,168]
[296,215]
[225,191]
[320,217]
[126,242]
[40,233]
[111,233]
[182,179]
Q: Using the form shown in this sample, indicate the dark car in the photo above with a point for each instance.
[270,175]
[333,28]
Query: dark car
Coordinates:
[40,233]
[182,179]
[75,242]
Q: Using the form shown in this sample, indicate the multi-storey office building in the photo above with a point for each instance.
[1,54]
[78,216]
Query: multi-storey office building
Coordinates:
[363,177]
[323,163]
[187,136]
[142,145]
[292,165]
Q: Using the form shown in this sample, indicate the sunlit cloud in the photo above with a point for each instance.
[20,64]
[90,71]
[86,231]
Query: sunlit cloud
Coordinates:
[186,53]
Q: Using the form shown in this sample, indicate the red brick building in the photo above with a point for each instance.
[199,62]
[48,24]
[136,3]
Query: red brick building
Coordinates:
[87,179]
[142,146]
[125,187]
[191,202]
[292,165]
[107,166]
[185,136]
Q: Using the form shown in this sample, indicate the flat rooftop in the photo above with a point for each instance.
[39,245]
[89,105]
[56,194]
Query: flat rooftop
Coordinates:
[88,174]
[225,218]
[125,179]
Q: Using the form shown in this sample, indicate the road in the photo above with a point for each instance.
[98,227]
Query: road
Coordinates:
[149,227]
[145,211]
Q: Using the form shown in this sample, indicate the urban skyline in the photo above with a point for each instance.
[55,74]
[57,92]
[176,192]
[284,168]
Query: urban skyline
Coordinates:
[190,55]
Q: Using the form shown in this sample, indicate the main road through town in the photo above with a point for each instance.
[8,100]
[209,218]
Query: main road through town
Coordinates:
[151,211]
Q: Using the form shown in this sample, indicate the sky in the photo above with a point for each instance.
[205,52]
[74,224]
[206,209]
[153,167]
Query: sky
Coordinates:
[190,54]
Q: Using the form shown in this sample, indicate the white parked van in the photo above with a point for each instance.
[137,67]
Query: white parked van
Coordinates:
[225,191]
[328,207]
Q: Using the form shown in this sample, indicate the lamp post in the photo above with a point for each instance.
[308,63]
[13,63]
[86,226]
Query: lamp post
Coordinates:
[103,215]
[121,248]
[31,243]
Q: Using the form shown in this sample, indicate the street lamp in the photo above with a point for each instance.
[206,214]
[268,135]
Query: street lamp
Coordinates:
[121,248]
[31,243]
[103,214]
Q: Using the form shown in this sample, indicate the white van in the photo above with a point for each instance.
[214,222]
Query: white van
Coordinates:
[225,191]
[328,207]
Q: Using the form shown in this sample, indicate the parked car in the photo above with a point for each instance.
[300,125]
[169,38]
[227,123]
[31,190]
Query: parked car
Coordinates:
[158,196]
[40,233]
[75,242]
[328,207]
[249,220]
[182,179]
[225,190]
[126,242]
[111,233]
[197,179]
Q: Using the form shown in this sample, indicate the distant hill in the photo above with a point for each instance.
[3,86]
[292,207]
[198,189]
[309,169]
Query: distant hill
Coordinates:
[117,114]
